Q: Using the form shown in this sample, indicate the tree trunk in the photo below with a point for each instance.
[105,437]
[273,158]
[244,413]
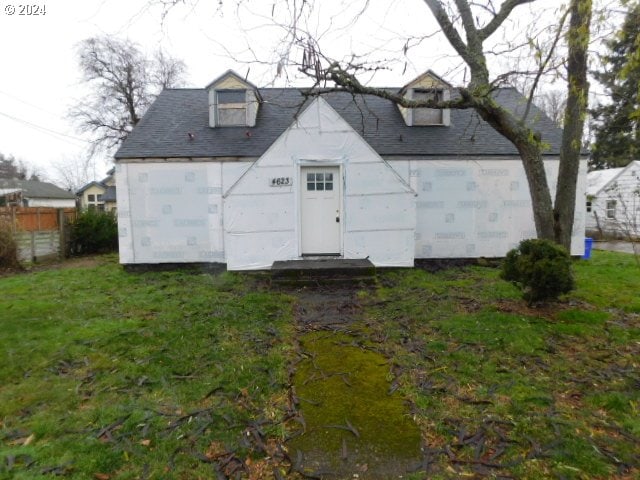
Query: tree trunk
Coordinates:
[530,149]
[578,41]
[538,189]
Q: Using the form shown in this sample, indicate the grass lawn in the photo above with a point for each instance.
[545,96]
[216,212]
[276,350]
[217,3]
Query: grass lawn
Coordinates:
[502,389]
[105,374]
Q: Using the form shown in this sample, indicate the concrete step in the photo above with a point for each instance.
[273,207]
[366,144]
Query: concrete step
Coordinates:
[323,270]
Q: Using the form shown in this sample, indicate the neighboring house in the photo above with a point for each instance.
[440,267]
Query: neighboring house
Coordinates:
[247,176]
[613,201]
[99,195]
[32,193]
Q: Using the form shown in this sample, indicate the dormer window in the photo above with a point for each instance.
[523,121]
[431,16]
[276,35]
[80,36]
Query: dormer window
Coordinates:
[232,108]
[427,87]
[233,101]
[428,116]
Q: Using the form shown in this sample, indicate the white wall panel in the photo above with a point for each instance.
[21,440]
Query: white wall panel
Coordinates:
[392,248]
[376,201]
[480,208]
[260,213]
[394,211]
[174,210]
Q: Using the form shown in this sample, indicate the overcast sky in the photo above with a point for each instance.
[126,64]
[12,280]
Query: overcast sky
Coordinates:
[39,77]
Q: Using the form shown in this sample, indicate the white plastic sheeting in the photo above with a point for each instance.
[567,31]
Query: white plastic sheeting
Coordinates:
[172,212]
[262,223]
[390,211]
[479,208]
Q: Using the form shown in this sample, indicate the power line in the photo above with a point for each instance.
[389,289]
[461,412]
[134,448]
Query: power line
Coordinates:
[45,129]
[28,103]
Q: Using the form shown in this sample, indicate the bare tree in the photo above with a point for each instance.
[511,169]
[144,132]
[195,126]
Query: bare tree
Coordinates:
[73,172]
[467,26]
[123,82]
[553,103]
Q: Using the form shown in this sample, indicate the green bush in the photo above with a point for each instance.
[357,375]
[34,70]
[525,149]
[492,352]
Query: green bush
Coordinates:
[8,247]
[540,268]
[94,232]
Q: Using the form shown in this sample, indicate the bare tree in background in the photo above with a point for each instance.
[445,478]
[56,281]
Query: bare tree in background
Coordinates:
[74,172]
[13,168]
[553,103]
[123,82]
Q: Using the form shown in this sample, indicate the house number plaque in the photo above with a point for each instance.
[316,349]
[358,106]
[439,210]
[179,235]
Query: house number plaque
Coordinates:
[280,182]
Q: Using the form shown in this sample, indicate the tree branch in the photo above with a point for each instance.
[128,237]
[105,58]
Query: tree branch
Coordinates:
[500,17]
[543,65]
[448,29]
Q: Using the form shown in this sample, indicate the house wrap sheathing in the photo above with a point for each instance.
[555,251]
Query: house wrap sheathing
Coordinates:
[327,183]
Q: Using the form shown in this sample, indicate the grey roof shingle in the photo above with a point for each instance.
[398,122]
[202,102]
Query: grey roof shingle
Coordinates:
[163,131]
[34,189]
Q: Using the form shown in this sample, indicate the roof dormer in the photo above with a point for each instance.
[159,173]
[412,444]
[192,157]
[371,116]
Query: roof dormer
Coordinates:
[427,86]
[233,101]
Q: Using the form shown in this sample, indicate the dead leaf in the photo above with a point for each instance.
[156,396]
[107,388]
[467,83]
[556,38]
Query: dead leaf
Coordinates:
[215,450]
[146,442]
[23,440]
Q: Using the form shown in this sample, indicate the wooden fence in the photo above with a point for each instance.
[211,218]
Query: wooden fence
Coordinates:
[40,232]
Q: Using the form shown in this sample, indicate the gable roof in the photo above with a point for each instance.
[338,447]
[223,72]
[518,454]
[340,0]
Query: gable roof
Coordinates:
[428,74]
[231,73]
[35,189]
[89,185]
[164,131]
[328,121]
[599,180]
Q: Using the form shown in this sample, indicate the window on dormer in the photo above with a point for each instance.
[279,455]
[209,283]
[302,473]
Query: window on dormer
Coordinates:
[428,116]
[232,107]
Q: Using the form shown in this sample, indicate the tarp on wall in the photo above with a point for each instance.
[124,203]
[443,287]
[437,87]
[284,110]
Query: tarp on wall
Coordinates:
[479,208]
[172,212]
[262,221]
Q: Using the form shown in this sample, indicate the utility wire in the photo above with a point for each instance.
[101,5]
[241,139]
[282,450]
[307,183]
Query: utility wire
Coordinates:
[28,103]
[44,129]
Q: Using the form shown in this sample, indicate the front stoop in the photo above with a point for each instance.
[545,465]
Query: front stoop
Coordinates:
[323,270]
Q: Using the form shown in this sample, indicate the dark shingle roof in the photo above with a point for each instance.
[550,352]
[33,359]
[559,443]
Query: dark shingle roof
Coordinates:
[90,184]
[34,189]
[163,132]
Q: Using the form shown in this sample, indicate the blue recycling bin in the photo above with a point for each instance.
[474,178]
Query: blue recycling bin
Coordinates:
[588,243]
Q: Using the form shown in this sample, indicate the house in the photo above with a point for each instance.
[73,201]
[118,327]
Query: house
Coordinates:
[32,193]
[99,195]
[247,176]
[613,201]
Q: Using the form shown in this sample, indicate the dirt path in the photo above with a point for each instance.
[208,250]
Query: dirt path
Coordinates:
[353,424]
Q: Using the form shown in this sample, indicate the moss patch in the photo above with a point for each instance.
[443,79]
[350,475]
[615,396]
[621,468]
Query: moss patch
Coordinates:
[354,423]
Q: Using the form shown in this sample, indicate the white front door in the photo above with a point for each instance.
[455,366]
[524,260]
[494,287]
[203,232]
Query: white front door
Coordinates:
[320,210]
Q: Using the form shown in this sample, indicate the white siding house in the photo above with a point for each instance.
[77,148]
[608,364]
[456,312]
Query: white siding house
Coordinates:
[332,175]
[613,201]
[33,193]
